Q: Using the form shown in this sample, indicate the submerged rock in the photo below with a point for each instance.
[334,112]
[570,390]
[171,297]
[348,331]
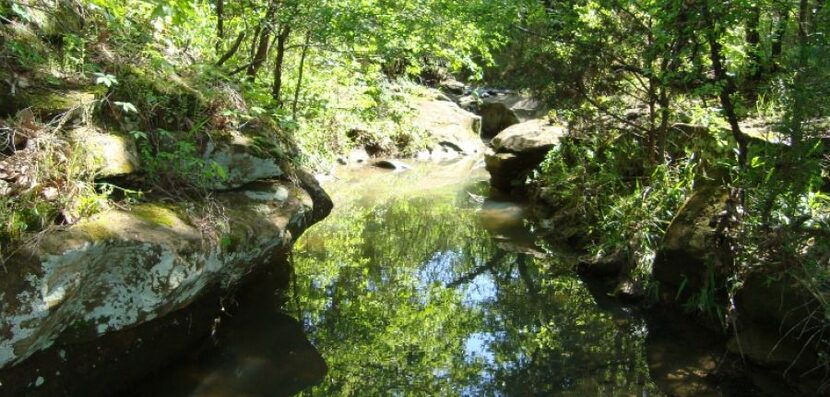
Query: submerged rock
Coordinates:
[392,165]
[257,352]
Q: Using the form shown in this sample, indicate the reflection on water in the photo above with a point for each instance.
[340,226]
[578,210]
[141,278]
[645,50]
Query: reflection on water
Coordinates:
[255,351]
[416,285]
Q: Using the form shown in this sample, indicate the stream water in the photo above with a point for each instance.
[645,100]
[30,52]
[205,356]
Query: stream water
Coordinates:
[417,284]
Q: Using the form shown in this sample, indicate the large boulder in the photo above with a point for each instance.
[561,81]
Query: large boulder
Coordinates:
[519,149]
[495,118]
[529,137]
[120,270]
[243,166]
[244,162]
[770,308]
[452,86]
[449,126]
[686,256]
[502,110]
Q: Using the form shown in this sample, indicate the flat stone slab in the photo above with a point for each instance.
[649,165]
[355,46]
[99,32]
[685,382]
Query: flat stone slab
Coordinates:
[530,136]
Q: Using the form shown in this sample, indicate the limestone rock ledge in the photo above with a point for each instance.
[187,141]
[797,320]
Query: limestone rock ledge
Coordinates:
[120,269]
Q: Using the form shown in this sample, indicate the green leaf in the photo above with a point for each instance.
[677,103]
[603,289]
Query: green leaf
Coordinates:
[105,79]
[126,107]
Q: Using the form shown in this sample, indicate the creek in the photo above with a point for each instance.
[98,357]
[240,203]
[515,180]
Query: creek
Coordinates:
[419,284]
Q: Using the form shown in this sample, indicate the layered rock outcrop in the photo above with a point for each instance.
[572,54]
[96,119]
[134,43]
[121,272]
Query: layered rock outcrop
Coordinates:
[519,149]
[92,298]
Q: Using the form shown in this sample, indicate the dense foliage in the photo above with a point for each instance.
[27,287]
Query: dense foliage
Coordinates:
[665,98]
[297,77]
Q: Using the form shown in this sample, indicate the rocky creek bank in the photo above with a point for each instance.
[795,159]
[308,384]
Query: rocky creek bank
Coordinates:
[90,307]
[763,341]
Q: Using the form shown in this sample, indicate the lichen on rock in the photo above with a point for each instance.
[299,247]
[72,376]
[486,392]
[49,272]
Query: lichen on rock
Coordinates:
[120,268]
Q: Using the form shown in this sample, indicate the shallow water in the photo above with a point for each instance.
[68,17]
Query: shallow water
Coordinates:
[418,284]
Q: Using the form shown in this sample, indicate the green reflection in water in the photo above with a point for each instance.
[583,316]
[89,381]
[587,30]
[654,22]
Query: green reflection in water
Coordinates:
[405,292]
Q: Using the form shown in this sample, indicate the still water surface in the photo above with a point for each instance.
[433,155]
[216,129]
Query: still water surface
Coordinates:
[419,285]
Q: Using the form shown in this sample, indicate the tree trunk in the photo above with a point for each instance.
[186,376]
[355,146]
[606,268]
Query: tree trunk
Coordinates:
[799,80]
[276,89]
[254,42]
[231,51]
[727,85]
[220,20]
[262,48]
[778,39]
[753,41]
[803,20]
[300,75]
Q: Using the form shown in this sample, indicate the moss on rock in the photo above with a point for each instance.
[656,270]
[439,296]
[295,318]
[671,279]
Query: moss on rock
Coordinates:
[156,214]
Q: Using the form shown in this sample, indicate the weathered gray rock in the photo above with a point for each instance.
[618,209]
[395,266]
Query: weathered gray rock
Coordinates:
[505,109]
[495,118]
[531,136]
[244,163]
[120,269]
[105,153]
[518,150]
[688,242]
[469,103]
[394,165]
[453,86]
[446,122]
